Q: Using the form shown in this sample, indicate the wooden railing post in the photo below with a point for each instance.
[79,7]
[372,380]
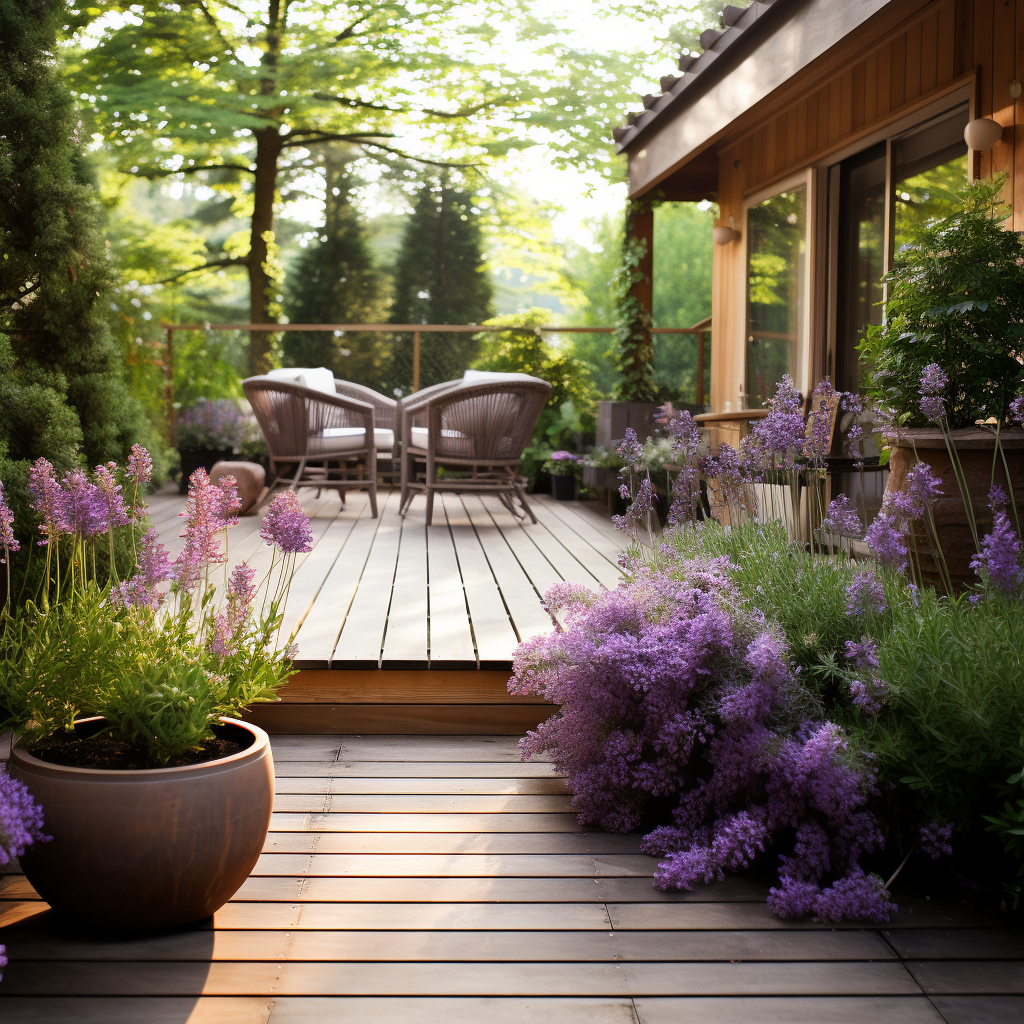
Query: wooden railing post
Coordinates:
[415,360]
[700,369]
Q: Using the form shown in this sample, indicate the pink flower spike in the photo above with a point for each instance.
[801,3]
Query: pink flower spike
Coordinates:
[48,500]
[7,539]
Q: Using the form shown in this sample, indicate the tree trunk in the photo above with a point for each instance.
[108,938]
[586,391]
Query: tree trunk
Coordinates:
[261,283]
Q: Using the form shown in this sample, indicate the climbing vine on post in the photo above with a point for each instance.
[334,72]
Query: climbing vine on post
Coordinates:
[633,291]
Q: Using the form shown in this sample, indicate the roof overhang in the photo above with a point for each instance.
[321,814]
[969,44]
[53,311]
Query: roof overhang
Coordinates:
[673,144]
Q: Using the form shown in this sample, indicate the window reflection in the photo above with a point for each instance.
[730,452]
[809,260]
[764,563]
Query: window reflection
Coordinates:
[776,292]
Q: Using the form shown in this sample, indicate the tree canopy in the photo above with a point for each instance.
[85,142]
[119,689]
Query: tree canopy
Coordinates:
[241,92]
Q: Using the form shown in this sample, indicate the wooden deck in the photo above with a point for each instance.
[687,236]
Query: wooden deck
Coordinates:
[393,593]
[421,880]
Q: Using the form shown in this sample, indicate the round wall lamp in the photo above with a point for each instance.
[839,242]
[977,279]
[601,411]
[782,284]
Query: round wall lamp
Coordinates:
[982,133]
[724,235]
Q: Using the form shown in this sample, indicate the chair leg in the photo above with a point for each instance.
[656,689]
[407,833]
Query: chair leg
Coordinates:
[371,472]
[521,494]
[405,483]
[298,475]
[430,504]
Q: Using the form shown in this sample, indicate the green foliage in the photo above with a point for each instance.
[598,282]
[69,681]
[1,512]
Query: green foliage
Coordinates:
[440,278]
[632,319]
[572,405]
[956,298]
[54,274]
[334,281]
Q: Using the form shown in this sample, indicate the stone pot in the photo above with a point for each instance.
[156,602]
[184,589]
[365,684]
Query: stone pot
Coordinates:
[149,849]
[975,448]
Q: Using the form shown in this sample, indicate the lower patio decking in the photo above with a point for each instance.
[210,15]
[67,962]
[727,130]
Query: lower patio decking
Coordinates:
[424,880]
[407,628]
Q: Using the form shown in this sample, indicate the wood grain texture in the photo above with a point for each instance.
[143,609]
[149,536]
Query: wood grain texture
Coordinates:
[383,686]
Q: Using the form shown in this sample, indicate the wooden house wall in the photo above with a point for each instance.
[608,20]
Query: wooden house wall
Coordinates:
[877,81]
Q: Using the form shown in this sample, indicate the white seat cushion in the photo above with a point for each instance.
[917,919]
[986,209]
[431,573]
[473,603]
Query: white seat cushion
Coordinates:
[492,377]
[347,438]
[420,435]
[315,378]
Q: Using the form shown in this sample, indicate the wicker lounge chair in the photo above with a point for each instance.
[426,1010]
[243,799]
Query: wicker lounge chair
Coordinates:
[479,430]
[328,438]
[386,413]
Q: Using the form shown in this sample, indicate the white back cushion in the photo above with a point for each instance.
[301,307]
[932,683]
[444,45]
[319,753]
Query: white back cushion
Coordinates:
[317,379]
[492,376]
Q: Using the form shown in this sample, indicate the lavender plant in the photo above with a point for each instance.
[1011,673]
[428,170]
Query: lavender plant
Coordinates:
[156,655]
[21,825]
[217,425]
[673,694]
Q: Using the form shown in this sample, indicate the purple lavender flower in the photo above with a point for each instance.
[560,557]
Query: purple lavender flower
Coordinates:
[864,653]
[782,433]
[997,499]
[563,595]
[932,390]
[203,523]
[922,489]
[998,562]
[819,437]
[8,541]
[639,510]
[286,526]
[857,896]
[1017,410]
[139,471]
[935,839]
[154,568]
[841,519]
[869,696]
[48,500]
[85,507]
[631,450]
[21,819]
[886,539]
[230,505]
[866,594]
[231,621]
[109,497]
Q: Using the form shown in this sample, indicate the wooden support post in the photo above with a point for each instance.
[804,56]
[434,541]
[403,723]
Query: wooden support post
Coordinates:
[700,369]
[643,231]
[415,360]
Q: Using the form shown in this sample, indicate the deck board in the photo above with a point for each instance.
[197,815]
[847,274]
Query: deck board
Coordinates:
[496,914]
[392,593]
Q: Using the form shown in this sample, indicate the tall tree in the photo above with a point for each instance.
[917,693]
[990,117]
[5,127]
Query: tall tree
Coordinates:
[54,272]
[334,281]
[249,88]
[440,278]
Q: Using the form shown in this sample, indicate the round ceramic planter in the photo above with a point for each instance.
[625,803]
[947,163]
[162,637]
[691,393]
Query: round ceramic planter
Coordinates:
[153,848]
[976,451]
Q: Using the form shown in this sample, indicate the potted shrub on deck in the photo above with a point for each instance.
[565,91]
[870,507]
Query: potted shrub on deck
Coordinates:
[564,469]
[208,433]
[124,697]
[946,366]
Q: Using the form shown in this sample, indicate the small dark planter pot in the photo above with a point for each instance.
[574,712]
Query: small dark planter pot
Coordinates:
[150,849]
[563,488]
[200,458]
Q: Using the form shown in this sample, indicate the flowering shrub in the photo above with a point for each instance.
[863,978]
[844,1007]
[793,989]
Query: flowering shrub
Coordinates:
[217,425]
[152,654]
[562,463]
[673,695]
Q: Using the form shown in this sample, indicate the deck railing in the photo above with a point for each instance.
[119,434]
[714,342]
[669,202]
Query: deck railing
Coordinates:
[700,331]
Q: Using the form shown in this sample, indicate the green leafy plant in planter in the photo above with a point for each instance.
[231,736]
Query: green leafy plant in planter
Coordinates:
[124,696]
[565,469]
[956,298]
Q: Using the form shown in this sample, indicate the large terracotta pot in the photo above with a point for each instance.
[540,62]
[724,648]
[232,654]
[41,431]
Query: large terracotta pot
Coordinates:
[975,448]
[149,849]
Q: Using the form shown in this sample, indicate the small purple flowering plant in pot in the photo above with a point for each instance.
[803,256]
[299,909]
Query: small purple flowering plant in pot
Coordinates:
[125,695]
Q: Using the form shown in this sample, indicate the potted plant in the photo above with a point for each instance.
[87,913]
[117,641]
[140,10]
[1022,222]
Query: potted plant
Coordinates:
[946,365]
[564,468]
[208,433]
[124,698]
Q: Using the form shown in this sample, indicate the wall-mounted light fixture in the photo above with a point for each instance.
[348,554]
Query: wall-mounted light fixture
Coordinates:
[982,133]
[725,234]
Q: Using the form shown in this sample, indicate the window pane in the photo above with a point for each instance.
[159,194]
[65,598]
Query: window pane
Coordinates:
[776,292]
[861,257]
[928,164]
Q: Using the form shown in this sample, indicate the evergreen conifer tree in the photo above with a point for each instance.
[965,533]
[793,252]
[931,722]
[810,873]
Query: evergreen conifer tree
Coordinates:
[440,278]
[334,281]
[61,392]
